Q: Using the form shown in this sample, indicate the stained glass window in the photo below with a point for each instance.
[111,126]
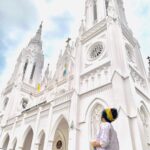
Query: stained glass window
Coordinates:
[95,51]
[95,120]
[130,54]
[146,123]
[65,70]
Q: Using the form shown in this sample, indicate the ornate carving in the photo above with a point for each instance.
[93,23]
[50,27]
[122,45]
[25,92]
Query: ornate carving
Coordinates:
[95,51]
[95,120]
[149,67]
[95,77]
[99,27]
[111,10]
[137,78]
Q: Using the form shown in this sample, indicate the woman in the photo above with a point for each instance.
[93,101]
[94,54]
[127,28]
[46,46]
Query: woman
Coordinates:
[107,137]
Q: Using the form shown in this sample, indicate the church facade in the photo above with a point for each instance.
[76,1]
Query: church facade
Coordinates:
[104,68]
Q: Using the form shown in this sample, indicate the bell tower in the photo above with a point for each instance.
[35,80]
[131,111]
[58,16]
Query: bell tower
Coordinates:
[97,10]
[24,80]
[111,70]
[29,64]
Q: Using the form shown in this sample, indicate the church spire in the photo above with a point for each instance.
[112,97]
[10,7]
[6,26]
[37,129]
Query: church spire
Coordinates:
[38,33]
[36,40]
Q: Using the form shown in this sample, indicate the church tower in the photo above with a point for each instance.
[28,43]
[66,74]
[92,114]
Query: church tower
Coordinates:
[29,64]
[25,78]
[111,73]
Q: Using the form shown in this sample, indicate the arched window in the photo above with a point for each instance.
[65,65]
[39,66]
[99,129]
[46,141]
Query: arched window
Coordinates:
[95,10]
[28,140]
[24,69]
[41,141]
[32,73]
[65,69]
[14,144]
[95,51]
[5,103]
[130,54]
[95,120]
[6,142]
[144,114]
[106,4]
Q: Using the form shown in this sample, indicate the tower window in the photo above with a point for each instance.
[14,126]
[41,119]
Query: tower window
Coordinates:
[106,3]
[24,103]
[24,69]
[144,114]
[5,103]
[32,73]
[95,10]
[130,54]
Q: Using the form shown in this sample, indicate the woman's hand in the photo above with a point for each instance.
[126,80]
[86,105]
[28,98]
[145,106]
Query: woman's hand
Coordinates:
[95,143]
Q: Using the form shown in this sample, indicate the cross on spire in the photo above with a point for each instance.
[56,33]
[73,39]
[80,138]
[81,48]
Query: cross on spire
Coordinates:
[68,40]
[41,24]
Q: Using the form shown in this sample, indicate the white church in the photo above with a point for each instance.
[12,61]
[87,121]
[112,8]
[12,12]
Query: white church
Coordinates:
[104,68]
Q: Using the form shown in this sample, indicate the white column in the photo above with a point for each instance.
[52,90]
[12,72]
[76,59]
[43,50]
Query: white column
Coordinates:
[20,148]
[47,144]
[1,137]
[36,128]
[136,133]
[19,142]
[73,123]
[36,146]
[12,135]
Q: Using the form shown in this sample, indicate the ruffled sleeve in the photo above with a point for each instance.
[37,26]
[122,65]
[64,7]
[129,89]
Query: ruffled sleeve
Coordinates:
[105,134]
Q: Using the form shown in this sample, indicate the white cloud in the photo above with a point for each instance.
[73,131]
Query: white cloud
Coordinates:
[138,16]
[136,11]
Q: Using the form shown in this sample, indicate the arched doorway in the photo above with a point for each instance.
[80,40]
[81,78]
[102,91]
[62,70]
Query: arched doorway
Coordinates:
[60,141]
[6,142]
[14,144]
[42,139]
[28,140]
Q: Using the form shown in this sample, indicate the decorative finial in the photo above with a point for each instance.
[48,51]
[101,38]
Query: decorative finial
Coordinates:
[47,71]
[148,60]
[68,40]
[41,24]
[149,66]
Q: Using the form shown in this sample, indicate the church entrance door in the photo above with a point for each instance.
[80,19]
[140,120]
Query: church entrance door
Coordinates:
[61,136]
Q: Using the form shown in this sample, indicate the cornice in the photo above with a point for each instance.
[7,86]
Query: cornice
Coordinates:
[96,29]
[129,35]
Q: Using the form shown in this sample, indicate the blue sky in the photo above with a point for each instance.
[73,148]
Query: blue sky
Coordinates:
[19,20]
